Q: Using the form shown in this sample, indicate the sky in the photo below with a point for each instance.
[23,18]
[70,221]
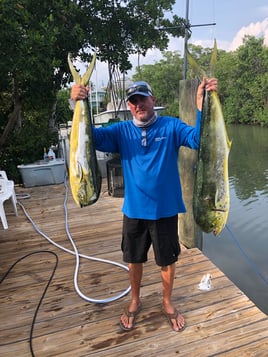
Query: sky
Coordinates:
[234,19]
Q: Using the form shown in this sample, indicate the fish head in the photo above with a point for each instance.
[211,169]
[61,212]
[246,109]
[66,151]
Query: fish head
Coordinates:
[219,221]
[217,230]
[85,194]
[83,191]
[212,221]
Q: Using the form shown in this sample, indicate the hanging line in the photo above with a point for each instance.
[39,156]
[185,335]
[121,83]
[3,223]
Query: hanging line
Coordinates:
[250,262]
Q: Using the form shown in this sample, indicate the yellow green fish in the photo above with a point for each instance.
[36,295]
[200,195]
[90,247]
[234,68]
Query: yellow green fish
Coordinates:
[211,201]
[84,173]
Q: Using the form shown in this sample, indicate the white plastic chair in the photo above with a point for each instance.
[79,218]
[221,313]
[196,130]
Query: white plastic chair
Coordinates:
[11,185]
[7,191]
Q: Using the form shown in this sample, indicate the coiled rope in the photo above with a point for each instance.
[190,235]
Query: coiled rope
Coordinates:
[77,254]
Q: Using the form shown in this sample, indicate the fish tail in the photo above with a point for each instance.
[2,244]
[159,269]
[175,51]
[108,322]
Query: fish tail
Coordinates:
[76,76]
[87,75]
[213,59]
[196,68]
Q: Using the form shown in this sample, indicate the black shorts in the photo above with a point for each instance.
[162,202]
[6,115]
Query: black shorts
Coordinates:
[139,234]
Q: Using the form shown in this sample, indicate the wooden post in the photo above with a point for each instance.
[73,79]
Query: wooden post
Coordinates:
[189,233]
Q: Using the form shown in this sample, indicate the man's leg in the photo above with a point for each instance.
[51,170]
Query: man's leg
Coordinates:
[135,276]
[168,274]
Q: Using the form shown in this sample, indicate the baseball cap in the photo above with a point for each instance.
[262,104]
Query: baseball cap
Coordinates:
[140,88]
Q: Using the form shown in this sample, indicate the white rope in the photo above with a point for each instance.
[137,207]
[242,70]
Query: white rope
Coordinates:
[77,254]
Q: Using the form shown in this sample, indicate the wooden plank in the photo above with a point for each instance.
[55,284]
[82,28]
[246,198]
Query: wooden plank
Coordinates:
[222,321]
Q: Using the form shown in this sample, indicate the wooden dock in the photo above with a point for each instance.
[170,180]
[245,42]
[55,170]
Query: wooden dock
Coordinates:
[220,322]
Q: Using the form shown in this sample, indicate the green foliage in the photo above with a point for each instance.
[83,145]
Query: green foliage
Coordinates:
[35,38]
[63,112]
[117,29]
[242,75]
[243,80]
[26,146]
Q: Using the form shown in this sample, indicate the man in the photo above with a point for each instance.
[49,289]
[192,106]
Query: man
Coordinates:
[148,147]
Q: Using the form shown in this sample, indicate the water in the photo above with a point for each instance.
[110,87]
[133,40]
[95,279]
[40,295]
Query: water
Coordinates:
[247,226]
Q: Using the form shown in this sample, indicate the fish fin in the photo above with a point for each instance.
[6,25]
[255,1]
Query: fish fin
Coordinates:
[219,205]
[80,170]
[213,59]
[216,199]
[229,142]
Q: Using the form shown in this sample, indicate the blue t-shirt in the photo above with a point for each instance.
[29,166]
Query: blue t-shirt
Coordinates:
[152,188]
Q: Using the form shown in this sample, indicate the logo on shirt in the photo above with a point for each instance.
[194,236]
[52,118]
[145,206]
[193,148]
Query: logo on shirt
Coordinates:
[160,138]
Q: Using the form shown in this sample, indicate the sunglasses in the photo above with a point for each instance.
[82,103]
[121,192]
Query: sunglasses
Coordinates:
[138,88]
[135,99]
[143,138]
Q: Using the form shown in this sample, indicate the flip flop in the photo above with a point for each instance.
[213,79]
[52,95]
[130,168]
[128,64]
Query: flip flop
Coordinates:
[129,314]
[173,316]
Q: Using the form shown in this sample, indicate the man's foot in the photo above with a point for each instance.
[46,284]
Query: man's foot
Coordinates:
[175,319]
[128,318]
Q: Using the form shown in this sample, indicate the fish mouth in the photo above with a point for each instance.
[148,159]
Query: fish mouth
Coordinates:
[216,232]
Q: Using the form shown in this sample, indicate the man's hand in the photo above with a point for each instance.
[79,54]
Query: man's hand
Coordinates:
[79,92]
[208,84]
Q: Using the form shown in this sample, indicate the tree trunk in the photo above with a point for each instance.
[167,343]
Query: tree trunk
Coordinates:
[14,118]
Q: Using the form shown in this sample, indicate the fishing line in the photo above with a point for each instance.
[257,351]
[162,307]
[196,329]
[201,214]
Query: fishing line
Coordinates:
[213,28]
[43,294]
[250,262]
[77,254]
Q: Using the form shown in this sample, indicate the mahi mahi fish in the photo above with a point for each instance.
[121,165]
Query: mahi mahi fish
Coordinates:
[211,200]
[84,174]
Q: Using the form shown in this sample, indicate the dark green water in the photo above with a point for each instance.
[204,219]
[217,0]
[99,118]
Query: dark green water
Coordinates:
[247,226]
